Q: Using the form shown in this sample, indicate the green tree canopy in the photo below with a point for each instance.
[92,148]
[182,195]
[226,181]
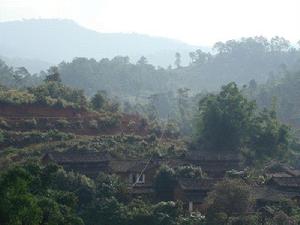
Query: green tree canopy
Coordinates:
[98,101]
[230,197]
[224,119]
[230,122]
[53,75]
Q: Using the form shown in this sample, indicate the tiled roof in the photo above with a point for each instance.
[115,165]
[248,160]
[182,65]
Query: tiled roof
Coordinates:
[275,169]
[210,155]
[204,184]
[281,174]
[289,182]
[142,190]
[174,163]
[271,194]
[123,166]
[77,156]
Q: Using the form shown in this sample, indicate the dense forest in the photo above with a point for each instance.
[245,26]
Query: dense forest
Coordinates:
[236,60]
[268,68]
[281,93]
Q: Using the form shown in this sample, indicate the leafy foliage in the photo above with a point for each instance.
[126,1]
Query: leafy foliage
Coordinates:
[281,94]
[224,119]
[229,122]
[193,172]
[55,90]
[35,195]
[98,101]
[17,77]
[230,197]
[23,199]
[235,60]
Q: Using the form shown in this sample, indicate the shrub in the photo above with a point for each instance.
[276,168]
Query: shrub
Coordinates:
[131,125]
[30,123]
[93,124]
[282,219]
[172,130]
[231,197]
[98,101]
[4,124]
[2,138]
[15,97]
[59,136]
[62,123]
[189,172]
[60,103]
[78,124]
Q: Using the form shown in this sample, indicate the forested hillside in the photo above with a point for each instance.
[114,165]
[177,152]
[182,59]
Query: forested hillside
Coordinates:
[282,94]
[39,124]
[237,60]
[240,61]
[153,145]
[149,112]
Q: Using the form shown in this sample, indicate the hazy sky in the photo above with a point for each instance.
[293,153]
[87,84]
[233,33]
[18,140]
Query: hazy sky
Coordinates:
[194,21]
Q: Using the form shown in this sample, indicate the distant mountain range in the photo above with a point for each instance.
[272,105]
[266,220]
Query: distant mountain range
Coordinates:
[32,65]
[50,41]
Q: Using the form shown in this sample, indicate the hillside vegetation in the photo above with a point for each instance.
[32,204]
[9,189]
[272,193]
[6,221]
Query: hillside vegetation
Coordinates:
[224,149]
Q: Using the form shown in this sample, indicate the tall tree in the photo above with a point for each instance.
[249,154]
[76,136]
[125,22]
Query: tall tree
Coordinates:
[53,75]
[142,61]
[229,122]
[192,57]
[177,60]
[224,119]
[98,100]
[230,197]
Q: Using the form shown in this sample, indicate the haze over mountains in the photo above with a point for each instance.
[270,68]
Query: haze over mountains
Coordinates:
[38,43]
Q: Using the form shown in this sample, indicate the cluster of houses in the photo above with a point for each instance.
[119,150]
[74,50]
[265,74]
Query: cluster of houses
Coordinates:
[139,175]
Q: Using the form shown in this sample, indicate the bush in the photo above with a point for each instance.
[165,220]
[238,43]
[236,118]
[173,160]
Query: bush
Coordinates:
[216,218]
[245,220]
[15,97]
[107,122]
[30,123]
[98,101]
[4,124]
[193,172]
[231,197]
[2,138]
[62,123]
[56,135]
[131,125]
[155,129]
[93,124]
[78,124]
[172,130]
[282,219]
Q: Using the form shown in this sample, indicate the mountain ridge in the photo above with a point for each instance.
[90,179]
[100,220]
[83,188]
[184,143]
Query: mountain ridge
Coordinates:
[41,39]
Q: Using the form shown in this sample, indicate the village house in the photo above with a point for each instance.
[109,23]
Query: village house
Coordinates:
[192,192]
[282,182]
[87,163]
[283,178]
[214,164]
[137,174]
